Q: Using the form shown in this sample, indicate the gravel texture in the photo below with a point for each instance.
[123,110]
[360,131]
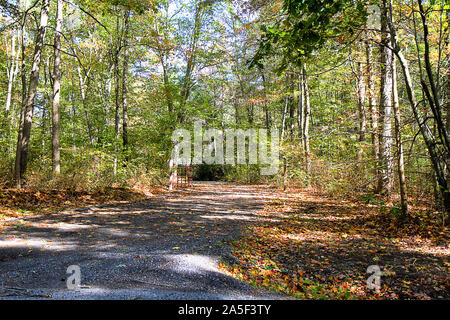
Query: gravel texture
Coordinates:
[165,247]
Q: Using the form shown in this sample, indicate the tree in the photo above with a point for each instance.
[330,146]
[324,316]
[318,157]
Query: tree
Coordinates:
[398,141]
[385,138]
[57,90]
[125,85]
[372,105]
[437,157]
[306,121]
[25,128]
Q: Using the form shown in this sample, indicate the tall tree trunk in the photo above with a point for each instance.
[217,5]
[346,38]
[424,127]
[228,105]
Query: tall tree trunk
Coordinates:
[24,99]
[398,139]
[307,116]
[265,106]
[167,84]
[283,117]
[361,91]
[117,49]
[447,82]
[285,110]
[386,168]
[125,88]
[12,70]
[300,106]
[291,105]
[24,138]
[57,90]
[372,107]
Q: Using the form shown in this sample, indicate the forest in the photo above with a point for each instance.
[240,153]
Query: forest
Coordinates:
[358,92]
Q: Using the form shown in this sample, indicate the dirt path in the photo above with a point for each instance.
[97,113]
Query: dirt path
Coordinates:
[162,247]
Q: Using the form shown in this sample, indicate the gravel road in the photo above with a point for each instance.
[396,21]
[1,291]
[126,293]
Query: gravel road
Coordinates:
[165,247]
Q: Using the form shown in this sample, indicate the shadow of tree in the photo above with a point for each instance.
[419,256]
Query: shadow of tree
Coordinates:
[161,242]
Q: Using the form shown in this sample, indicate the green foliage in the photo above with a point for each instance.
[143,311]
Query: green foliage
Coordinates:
[305,26]
[188,61]
[396,210]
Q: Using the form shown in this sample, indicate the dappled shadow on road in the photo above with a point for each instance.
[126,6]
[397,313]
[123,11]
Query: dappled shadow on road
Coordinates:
[306,243]
[194,214]
[160,242]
